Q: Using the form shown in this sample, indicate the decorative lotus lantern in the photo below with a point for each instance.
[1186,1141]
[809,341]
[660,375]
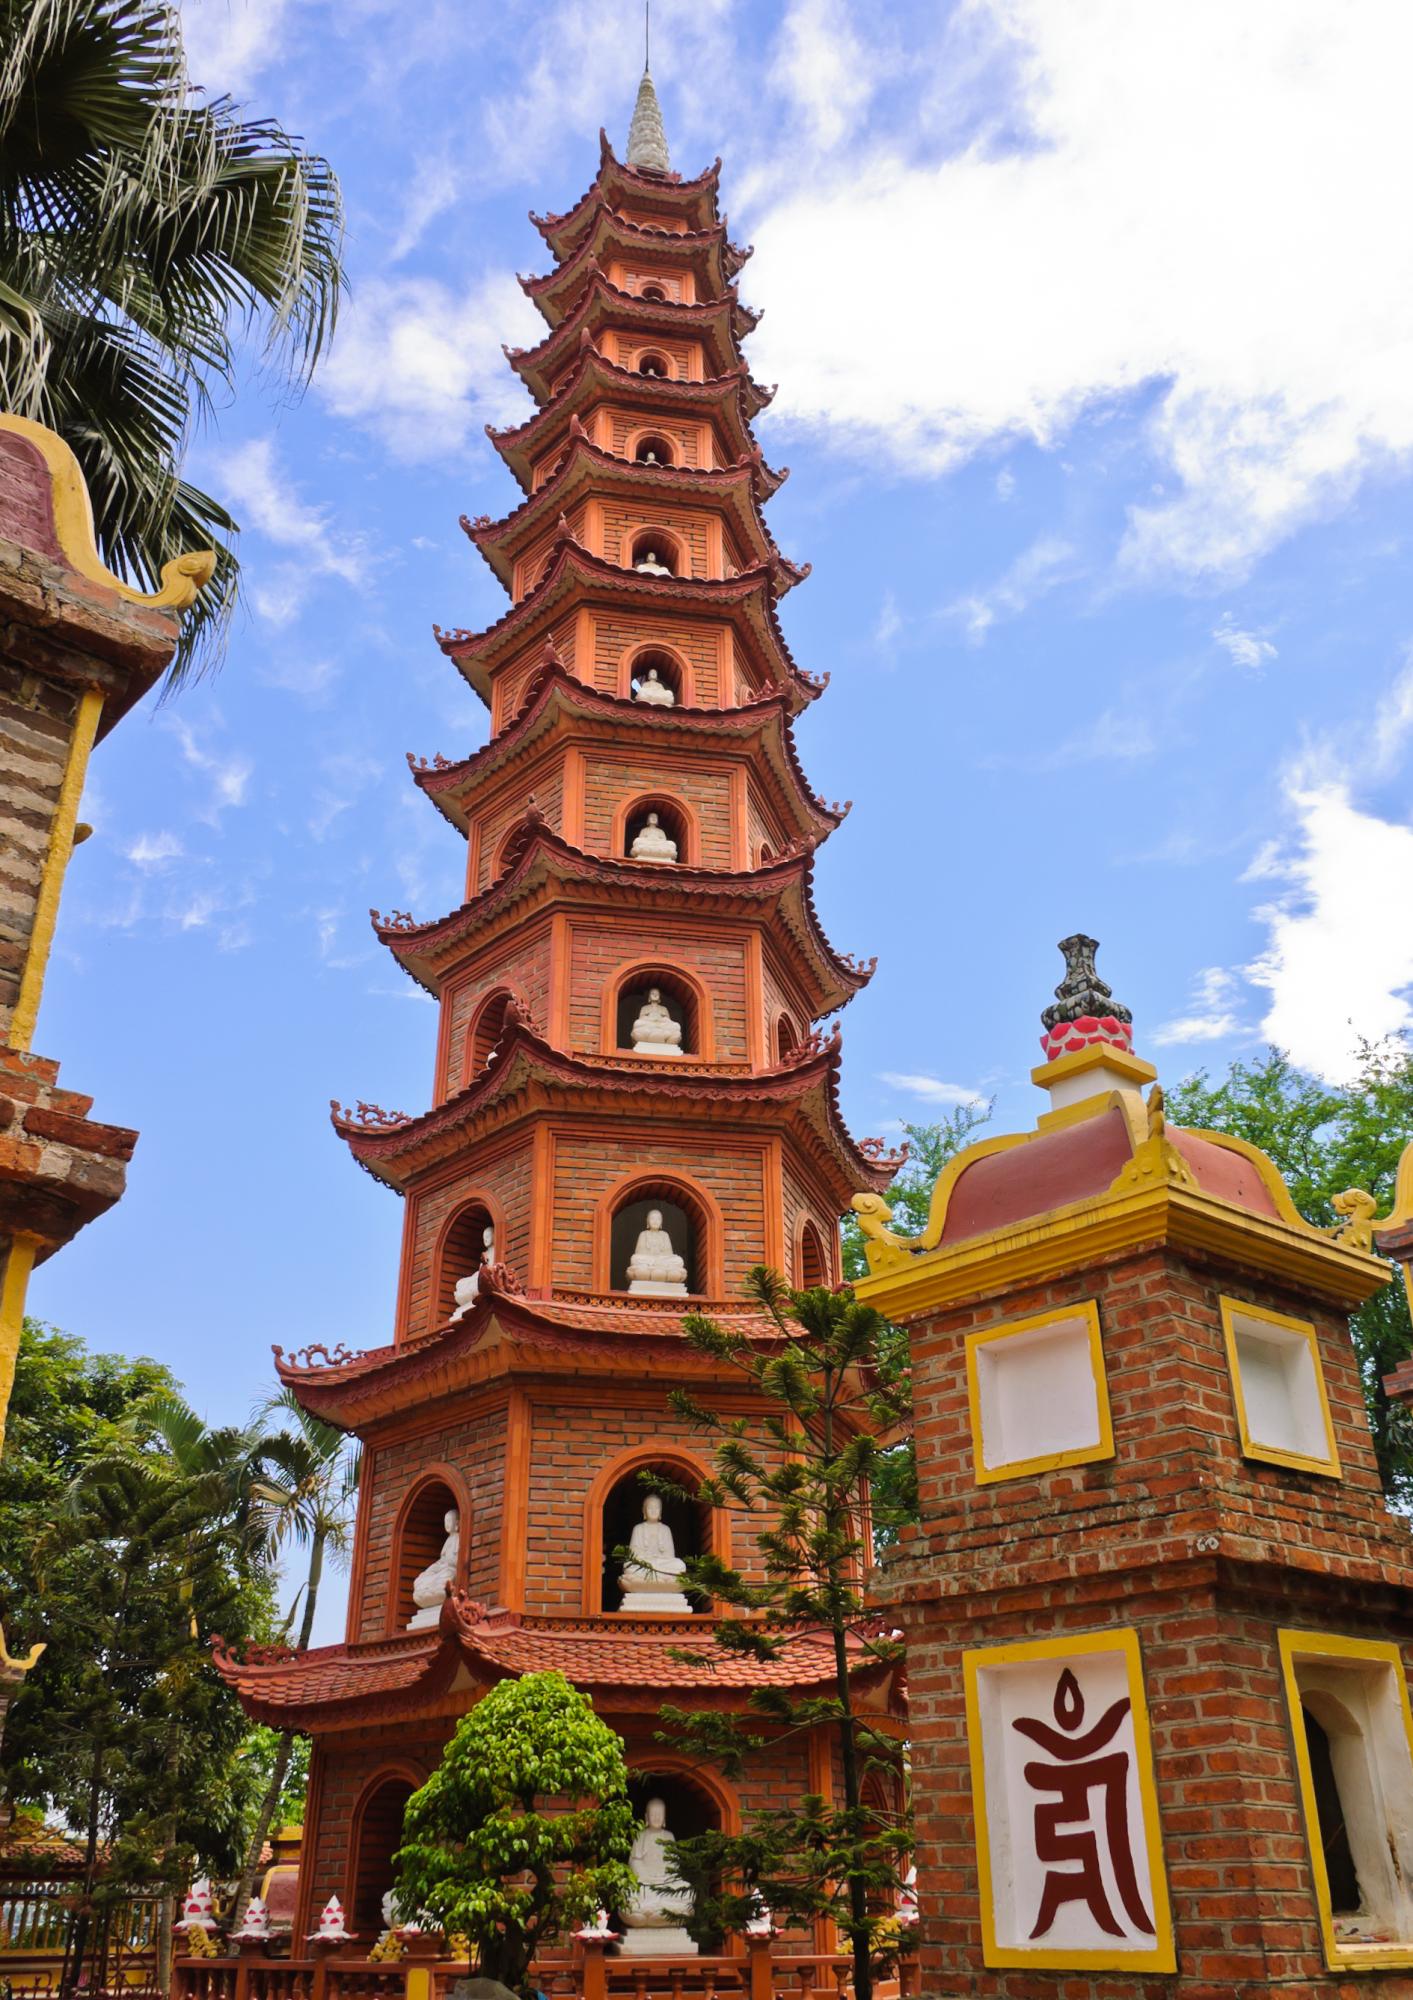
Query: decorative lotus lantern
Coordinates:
[332,1929]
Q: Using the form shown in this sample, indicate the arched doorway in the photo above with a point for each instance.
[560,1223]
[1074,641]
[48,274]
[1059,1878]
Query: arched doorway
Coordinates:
[377,1835]
[622,1508]
[691,1809]
[418,1538]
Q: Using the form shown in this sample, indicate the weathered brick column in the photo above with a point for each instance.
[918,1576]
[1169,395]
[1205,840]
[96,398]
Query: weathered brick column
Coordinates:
[77,648]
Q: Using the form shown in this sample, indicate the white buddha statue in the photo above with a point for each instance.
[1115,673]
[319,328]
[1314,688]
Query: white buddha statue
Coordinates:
[653,691]
[649,565]
[650,843]
[655,1920]
[655,1033]
[430,1588]
[655,1266]
[651,1578]
[467,1288]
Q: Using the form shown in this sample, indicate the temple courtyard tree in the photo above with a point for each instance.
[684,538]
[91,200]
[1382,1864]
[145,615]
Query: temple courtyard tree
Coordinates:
[800,1473]
[144,229]
[524,1829]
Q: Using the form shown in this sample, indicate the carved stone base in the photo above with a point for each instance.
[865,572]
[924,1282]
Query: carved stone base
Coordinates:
[657,1941]
[654,1288]
[656,1049]
[421,1619]
[656,1600]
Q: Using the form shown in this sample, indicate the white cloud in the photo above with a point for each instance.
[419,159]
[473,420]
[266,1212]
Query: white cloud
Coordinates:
[1113,737]
[229,774]
[1243,649]
[151,850]
[229,43]
[311,678]
[931,1089]
[823,70]
[423,367]
[1183,212]
[1213,1017]
[1035,571]
[1338,958]
[434,188]
[265,501]
[1005,483]
[890,621]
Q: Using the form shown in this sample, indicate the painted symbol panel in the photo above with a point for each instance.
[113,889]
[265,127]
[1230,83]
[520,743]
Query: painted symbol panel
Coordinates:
[1068,1845]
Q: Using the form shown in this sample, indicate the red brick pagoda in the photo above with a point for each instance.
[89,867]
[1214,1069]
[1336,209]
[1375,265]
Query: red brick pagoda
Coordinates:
[634,1102]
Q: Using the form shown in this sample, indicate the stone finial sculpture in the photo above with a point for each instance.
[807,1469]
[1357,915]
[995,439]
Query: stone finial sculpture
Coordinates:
[656,693]
[430,1588]
[651,843]
[654,1032]
[655,1920]
[651,1578]
[655,1266]
[469,1286]
[1084,1010]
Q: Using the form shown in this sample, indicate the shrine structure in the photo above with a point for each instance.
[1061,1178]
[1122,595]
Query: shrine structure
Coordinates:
[634,1101]
[1158,1614]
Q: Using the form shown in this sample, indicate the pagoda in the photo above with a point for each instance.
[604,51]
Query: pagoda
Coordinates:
[636,1101]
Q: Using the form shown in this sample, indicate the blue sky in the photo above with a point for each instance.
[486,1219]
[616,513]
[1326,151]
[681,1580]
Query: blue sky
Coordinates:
[1093,326]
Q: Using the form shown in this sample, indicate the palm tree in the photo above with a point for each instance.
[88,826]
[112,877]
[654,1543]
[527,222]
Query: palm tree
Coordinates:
[305,1496]
[143,229]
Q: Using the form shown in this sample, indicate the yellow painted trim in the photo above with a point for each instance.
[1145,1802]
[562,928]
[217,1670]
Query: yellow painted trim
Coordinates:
[1098,1054]
[884,1249]
[182,579]
[14,1287]
[903,1286]
[1328,1466]
[1162,1957]
[1295,1646]
[1402,1210]
[1087,1311]
[51,874]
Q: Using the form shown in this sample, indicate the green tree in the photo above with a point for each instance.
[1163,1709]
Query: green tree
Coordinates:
[524,1829]
[799,1472]
[143,231]
[1325,1138]
[930,1147]
[305,1492]
[123,1728]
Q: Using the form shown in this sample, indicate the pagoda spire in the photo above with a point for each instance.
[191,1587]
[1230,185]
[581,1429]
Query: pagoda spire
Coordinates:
[647,138]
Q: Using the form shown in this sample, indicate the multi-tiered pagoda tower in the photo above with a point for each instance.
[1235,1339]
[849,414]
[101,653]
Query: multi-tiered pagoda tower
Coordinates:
[630,1000]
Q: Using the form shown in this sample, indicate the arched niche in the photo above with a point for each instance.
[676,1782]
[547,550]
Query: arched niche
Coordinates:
[672,816]
[484,1030]
[813,1263]
[459,1252]
[690,1218]
[786,1040]
[667,665]
[652,448]
[375,1836]
[656,545]
[617,1504]
[650,362]
[694,1805]
[680,996]
[419,1533]
[653,290]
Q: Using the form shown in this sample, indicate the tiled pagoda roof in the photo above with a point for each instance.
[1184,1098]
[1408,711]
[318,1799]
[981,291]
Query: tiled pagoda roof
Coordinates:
[692,199]
[595,375]
[524,1070]
[707,251]
[627,1665]
[717,323]
[781,888]
[553,690]
[574,572]
[585,463]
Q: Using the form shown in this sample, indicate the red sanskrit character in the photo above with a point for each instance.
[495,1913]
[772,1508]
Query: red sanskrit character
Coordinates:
[1079,1771]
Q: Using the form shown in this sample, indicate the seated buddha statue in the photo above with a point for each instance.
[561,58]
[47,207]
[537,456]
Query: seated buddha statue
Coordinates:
[650,843]
[655,1033]
[653,691]
[651,1578]
[655,1266]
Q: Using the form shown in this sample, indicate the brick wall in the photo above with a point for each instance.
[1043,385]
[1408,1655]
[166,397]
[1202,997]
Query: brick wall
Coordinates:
[615,634]
[717,958]
[505,1179]
[587,1167]
[36,722]
[610,781]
